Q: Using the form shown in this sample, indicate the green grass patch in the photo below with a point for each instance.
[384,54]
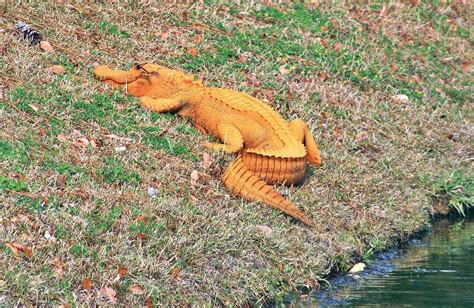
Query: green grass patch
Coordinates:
[458,189]
[115,172]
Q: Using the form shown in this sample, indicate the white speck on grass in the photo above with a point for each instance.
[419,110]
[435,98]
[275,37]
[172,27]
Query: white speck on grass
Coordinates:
[120,149]
[151,192]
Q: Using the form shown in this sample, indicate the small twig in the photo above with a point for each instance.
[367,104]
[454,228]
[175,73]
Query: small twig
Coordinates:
[18,110]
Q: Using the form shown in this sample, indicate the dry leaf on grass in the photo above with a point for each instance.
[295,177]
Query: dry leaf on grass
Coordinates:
[58,266]
[46,46]
[194,177]
[175,273]
[136,289]
[323,76]
[61,181]
[193,52]
[57,69]
[338,46]
[416,78]
[400,98]
[109,293]
[61,138]
[16,248]
[122,271]
[148,303]
[283,70]
[197,39]
[82,142]
[206,160]
[265,230]
[87,284]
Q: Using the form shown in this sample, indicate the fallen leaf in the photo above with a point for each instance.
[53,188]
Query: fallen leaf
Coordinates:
[244,56]
[46,46]
[109,293]
[254,81]
[41,132]
[283,70]
[16,248]
[93,143]
[13,248]
[197,39]
[87,284]
[400,98]
[82,142]
[194,177]
[175,272]
[122,271]
[323,76]
[136,289]
[265,230]
[280,267]
[416,78]
[57,69]
[61,138]
[311,283]
[193,52]
[149,303]
[466,66]
[337,46]
[393,68]
[206,160]
[383,11]
[58,266]
[446,60]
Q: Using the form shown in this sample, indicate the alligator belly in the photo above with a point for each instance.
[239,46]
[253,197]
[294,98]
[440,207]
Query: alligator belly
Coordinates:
[272,170]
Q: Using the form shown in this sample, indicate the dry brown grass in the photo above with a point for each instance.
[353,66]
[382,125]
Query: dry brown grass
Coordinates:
[380,155]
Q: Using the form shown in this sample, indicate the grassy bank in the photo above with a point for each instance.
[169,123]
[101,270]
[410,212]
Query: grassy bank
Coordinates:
[98,190]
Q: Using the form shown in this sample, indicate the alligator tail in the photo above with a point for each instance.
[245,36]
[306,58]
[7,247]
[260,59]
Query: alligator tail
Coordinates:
[241,181]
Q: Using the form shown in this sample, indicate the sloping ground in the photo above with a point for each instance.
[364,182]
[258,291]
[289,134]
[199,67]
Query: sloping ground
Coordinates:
[386,92]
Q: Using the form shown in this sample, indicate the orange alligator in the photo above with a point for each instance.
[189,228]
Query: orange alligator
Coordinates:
[270,150]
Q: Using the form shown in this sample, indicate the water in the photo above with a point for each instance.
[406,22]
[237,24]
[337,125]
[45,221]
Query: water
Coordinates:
[435,271]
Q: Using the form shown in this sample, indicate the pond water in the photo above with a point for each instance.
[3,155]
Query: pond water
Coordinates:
[435,271]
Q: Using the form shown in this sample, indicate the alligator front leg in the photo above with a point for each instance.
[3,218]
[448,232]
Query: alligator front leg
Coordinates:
[231,137]
[161,104]
[241,181]
[302,133]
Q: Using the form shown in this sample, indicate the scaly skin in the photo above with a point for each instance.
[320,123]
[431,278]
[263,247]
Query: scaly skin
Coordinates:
[270,150]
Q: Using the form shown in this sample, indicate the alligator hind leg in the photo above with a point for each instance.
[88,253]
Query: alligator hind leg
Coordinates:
[231,137]
[241,181]
[302,133]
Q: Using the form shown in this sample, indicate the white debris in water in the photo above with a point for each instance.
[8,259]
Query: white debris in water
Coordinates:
[359,267]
